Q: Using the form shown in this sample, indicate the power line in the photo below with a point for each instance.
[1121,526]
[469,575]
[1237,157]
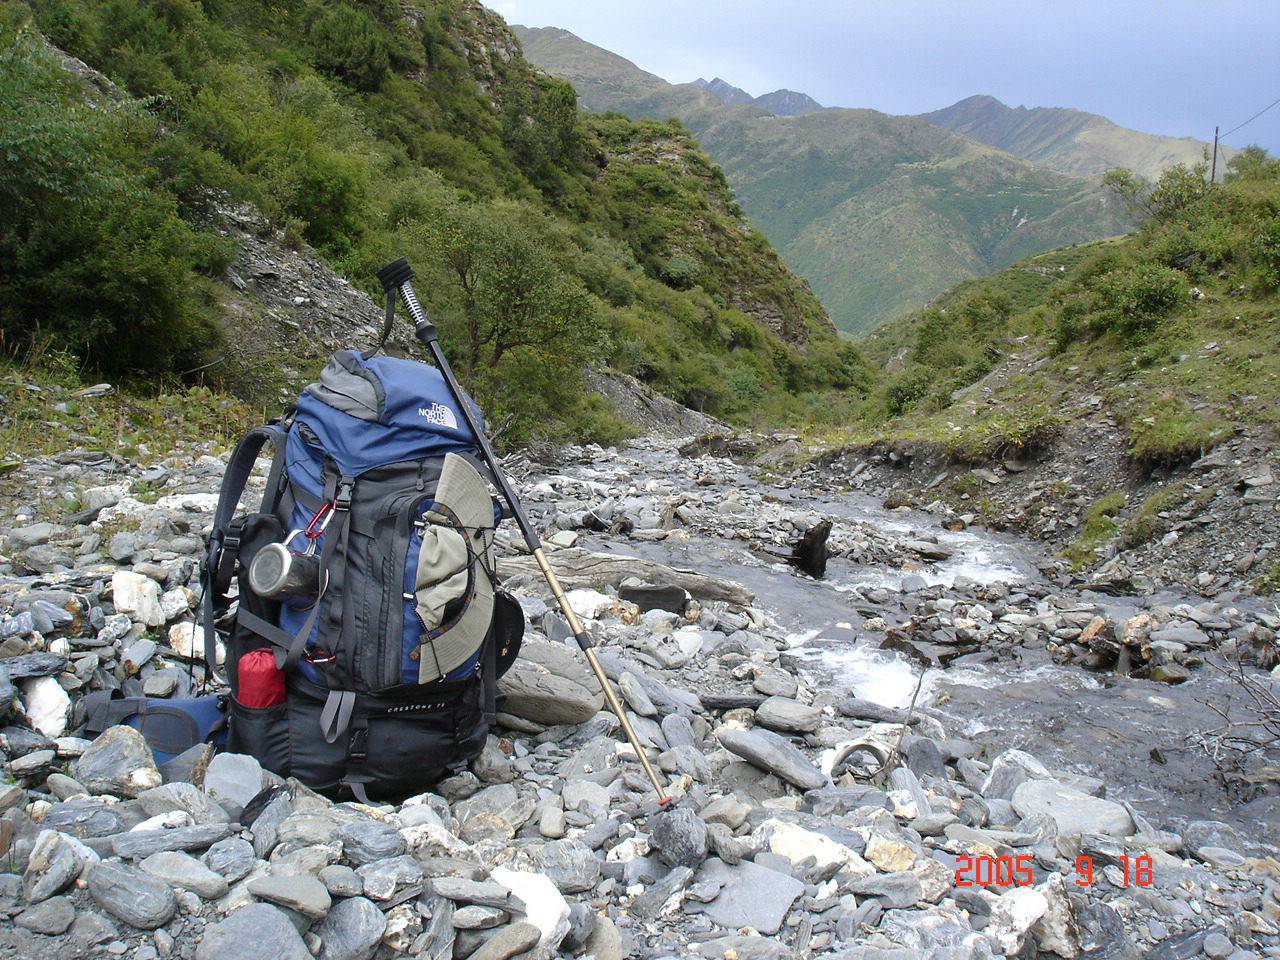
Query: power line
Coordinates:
[1253,118]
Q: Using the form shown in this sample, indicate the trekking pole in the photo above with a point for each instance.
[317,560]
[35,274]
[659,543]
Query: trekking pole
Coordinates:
[395,279]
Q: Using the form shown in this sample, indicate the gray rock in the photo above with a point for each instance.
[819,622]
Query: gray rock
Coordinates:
[1073,812]
[393,880]
[119,763]
[535,693]
[654,901]
[268,823]
[605,941]
[304,895]
[509,941]
[479,918]
[185,797]
[750,896]
[341,881]
[775,754]
[572,866]
[923,757]
[185,872]
[128,894]
[1009,771]
[253,932]
[1102,934]
[492,765]
[233,778]
[484,893]
[679,837]
[53,866]
[1211,833]
[352,930]
[137,844]
[52,918]
[788,716]
[896,890]
[495,813]
[633,692]
[231,858]
[730,811]
[367,841]
[678,731]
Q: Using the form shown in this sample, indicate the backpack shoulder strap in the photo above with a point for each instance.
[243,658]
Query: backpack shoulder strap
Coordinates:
[224,543]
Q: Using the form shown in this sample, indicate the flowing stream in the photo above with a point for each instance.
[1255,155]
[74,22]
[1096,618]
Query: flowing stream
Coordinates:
[1131,734]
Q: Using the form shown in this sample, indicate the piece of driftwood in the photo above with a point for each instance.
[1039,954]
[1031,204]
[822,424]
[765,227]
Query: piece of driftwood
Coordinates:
[576,567]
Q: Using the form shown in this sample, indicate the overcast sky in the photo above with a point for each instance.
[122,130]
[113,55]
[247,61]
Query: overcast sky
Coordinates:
[1170,67]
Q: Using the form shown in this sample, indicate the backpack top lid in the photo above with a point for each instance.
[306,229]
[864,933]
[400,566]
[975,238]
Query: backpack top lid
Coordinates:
[409,402]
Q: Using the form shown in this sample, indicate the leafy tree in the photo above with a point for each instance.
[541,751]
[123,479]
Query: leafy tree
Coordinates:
[350,47]
[89,252]
[512,292]
[1178,188]
[1252,163]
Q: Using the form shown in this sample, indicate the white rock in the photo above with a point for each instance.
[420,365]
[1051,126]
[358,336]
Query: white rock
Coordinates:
[47,705]
[170,820]
[690,640]
[1013,915]
[1057,929]
[98,498]
[796,844]
[589,604]
[186,640]
[139,596]
[175,602]
[545,906]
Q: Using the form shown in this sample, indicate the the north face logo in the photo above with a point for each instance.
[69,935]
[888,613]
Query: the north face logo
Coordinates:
[440,415]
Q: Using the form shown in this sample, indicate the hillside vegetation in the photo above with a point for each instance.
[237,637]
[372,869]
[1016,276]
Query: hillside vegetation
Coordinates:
[879,213]
[1070,141]
[544,239]
[1173,333]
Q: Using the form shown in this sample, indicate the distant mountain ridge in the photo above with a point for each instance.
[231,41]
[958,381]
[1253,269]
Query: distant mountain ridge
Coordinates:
[879,213]
[1068,140]
[786,103]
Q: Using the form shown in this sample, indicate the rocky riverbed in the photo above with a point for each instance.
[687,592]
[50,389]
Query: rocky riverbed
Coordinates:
[820,804]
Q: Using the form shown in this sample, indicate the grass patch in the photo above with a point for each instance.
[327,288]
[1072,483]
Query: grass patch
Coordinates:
[1166,430]
[1098,528]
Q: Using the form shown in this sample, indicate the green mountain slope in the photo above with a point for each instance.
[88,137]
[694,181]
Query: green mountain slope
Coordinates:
[1071,141]
[1168,332]
[544,241]
[879,213]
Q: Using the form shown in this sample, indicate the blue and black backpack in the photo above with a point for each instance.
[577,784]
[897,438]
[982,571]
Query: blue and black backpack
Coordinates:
[363,625]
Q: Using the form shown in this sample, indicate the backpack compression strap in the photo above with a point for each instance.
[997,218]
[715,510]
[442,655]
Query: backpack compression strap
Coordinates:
[224,543]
